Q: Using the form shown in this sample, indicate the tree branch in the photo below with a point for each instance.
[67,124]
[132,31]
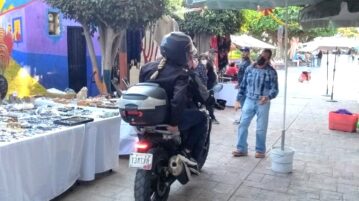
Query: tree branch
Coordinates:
[102,20]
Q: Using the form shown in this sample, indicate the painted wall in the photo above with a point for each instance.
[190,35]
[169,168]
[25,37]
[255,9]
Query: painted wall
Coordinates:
[7,5]
[42,55]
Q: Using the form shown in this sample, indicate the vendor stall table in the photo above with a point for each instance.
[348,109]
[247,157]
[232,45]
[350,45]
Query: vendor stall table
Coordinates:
[41,167]
[228,93]
[100,148]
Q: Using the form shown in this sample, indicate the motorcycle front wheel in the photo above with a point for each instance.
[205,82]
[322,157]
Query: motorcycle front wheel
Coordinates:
[152,185]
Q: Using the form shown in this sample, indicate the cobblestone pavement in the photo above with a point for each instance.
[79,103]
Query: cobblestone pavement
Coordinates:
[326,163]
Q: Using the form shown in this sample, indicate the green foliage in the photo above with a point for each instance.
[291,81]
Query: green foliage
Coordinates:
[117,14]
[256,24]
[173,6]
[350,32]
[216,22]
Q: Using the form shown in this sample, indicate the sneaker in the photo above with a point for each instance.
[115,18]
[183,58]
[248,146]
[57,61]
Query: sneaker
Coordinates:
[236,122]
[215,121]
[260,155]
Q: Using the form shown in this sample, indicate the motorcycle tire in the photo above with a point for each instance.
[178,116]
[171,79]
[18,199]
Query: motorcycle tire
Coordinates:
[203,157]
[148,183]
[3,87]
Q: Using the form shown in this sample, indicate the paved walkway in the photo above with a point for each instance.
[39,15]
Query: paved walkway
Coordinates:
[326,164]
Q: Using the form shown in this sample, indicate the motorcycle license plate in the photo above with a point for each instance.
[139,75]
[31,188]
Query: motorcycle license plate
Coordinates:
[141,161]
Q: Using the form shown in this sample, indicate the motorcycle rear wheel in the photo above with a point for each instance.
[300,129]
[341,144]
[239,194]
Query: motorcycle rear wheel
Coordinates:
[203,156]
[149,185]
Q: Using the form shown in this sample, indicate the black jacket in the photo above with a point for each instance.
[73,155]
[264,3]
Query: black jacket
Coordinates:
[179,85]
[212,76]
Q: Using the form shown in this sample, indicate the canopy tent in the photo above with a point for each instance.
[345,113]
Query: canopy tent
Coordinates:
[329,43]
[249,41]
[337,12]
[308,47]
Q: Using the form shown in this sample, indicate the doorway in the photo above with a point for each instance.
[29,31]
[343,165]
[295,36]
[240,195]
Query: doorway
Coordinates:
[76,50]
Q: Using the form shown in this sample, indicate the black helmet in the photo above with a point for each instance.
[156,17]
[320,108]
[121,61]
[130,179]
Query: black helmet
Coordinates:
[177,47]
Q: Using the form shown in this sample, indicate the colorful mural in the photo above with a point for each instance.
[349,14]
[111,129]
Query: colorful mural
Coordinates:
[30,64]
[17,29]
[7,5]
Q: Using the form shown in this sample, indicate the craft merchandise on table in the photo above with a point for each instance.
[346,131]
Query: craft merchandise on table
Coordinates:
[22,120]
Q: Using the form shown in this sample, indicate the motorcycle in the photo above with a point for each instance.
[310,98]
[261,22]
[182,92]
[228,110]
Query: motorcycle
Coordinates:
[158,159]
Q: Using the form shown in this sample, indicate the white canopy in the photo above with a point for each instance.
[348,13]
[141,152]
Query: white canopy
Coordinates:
[329,43]
[249,41]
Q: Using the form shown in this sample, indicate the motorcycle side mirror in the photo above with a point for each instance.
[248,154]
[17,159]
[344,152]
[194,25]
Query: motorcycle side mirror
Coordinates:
[217,88]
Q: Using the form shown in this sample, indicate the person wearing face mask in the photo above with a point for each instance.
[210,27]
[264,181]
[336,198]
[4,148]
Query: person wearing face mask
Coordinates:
[259,86]
[200,70]
[211,81]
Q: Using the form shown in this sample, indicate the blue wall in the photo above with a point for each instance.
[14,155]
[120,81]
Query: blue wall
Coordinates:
[52,70]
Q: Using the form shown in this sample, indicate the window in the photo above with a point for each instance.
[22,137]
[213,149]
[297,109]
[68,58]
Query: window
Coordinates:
[16,29]
[54,23]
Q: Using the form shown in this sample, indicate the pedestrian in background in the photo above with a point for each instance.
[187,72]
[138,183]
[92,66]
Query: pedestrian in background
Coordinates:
[200,70]
[260,86]
[212,78]
[246,61]
[319,58]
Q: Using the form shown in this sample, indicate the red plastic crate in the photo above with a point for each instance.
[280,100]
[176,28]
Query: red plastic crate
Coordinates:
[342,122]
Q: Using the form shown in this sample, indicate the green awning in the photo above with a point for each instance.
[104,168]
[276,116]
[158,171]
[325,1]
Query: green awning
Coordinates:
[337,12]
[253,4]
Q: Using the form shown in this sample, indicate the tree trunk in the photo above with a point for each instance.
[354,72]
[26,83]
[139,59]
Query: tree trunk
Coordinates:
[99,84]
[123,64]
[107,37]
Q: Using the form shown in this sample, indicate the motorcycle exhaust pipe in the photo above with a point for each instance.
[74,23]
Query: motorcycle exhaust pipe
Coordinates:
[176,165]
[179,169]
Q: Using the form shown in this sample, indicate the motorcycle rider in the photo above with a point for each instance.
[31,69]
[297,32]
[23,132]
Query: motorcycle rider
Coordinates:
[184,90]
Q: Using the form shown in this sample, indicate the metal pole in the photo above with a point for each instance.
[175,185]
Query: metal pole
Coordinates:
[332,94]
[286,75]
[327,93]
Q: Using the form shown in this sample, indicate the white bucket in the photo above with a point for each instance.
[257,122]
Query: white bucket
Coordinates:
[282,160]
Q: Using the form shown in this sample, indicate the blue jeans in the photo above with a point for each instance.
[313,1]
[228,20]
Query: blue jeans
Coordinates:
[241,101]
[252,107]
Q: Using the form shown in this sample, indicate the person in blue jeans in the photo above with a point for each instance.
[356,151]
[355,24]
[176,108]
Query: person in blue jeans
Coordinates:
[259,86]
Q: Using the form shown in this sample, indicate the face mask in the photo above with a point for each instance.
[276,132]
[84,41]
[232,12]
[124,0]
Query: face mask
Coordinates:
[204,62]
[261,61]
[195,63]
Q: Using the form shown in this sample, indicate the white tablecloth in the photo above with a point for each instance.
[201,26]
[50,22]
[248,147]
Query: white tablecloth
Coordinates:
[100,147]
[128,139]
[228,93]
[42,167]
